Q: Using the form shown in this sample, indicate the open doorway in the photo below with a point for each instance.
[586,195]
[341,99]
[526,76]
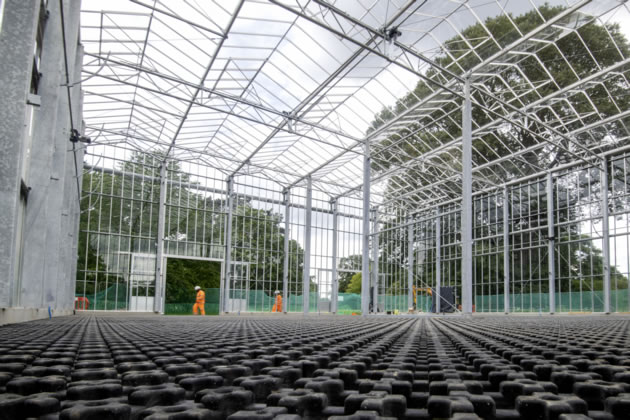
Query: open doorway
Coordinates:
[182,275]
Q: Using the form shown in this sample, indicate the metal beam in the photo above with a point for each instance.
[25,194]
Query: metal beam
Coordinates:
[551,247]
[205,75]
[506,250]
[438,262]
[335,280]
[447,86]
[199,87]
[309,99]
[306,274]
[531,34]
[160,280]
[200,187]
[467,240]
[365,260]
[557,93]
[539,174]
[353,57]
[410,262]
[227,269]
[189,22]
[605,235]
[375,270]
[285,263]
[226,158]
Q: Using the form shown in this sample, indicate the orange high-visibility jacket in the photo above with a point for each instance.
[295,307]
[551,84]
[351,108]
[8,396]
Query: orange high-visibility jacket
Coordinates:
[201,297]
[277,307]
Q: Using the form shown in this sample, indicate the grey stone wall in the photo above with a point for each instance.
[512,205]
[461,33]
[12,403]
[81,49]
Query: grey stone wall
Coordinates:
[50,218]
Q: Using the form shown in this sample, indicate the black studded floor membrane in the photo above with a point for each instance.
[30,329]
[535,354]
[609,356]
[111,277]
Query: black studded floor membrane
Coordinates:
[289,367]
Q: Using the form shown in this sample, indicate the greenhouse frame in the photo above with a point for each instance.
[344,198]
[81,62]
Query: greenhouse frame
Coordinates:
[482,145]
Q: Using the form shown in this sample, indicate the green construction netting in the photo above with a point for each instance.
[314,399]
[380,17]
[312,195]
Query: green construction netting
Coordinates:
[585,301]
[259,301]
[211,307]
[115,298]
[348,303]
[400,303]
[111,299]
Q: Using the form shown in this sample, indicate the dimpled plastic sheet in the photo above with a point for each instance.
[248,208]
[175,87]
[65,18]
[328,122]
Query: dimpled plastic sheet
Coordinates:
[289,367]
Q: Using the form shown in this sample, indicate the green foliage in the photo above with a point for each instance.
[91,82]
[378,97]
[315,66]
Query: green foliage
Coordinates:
[182,275]
[347,268]
[355,284]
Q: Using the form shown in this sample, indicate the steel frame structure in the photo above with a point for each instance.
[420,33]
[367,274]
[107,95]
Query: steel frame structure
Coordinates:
[392,105]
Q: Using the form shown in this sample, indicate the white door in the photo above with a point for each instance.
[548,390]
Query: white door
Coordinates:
[142,283]
[238,296]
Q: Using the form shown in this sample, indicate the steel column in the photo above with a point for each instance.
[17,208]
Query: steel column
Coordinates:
[438,262]
[605,236]
[551,245]
[160,282]
[285,267]
[227,269]
[375,272]
[335,280]
[467,240]
[365,260]
[306,278]
[506,251]
[410,259]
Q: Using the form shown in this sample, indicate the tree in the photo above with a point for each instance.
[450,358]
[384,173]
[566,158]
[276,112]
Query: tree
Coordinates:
[184,274]
[355,284]
[119,216]
[588,49]
[346,269]
[258,239]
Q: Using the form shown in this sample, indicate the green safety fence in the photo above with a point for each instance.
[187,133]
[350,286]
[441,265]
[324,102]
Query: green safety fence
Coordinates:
[259,301]
[586,301]
[111,299]
[348,303]
[211,307]
[115,298]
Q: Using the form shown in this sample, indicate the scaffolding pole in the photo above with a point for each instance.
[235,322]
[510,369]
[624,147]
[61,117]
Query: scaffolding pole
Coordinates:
[306,275]
[551,245]
[227,269]
[285,266]
[605,235]
[365,259]
[375,272]
[467,274]
[410,240]
[335,281]
[506,251]
[160,282]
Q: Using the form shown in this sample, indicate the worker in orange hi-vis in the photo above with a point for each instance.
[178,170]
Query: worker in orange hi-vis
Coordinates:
[200,303]
[277,307]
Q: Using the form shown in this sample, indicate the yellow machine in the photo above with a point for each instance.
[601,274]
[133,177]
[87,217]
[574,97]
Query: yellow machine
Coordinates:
[416,290]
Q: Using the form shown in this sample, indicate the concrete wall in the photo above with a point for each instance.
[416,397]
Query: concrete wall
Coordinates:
[38,246]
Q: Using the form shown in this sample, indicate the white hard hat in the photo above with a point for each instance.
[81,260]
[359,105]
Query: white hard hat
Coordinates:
[277,292]
[197,287]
